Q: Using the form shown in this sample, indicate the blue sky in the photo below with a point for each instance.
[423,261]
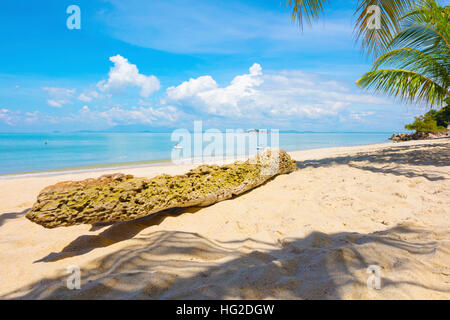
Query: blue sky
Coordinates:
[147,65]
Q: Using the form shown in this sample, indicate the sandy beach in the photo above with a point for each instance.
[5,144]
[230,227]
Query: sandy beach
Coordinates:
[310,234]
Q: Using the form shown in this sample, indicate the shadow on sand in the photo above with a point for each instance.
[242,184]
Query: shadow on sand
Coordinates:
[391,161]
[11,215]
[173,264]
[119,231]
[116,232]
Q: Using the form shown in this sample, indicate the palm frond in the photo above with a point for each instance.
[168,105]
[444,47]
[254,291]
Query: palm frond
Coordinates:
[426,64]
[417,68]
[424,37]
[426,27]
[392,14]
[376,41]
[405,85]
[306,9]
[428,12]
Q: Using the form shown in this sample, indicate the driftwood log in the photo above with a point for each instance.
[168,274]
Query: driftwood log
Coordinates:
[120,197]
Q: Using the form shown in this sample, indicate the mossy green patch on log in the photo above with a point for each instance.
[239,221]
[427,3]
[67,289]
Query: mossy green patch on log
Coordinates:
[120,197]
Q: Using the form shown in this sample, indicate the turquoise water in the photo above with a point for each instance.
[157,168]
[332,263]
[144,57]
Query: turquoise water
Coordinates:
[27,152]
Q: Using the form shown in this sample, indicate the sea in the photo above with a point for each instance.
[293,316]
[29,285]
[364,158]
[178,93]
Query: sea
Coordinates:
[23,153]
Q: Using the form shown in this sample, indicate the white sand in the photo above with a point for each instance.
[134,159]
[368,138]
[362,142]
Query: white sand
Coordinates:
[307,235]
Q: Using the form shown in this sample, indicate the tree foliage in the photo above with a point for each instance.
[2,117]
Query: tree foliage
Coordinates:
[417,67]
[433,120]
[373,41]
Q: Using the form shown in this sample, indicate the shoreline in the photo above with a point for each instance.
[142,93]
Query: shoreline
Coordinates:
[99,168]
[85,169]
[98,165]
[309,234]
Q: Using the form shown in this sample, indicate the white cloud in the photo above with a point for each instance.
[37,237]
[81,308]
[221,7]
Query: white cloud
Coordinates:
[282,98]
[9,117]
[32,114]
[88,96]
[57,103]
[85,98]
[229,100]
[96,117]
[135,115]
[204,93]
[190,88]
[4,114]
[359,116]
[31,117]
[125,74]
[59,92]
[59,96]
[281,94]
[121,75]
[144,103]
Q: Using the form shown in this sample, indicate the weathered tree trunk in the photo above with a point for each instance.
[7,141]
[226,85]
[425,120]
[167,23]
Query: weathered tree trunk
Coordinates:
[120,197]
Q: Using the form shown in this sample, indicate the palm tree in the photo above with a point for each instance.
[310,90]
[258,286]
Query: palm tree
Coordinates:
[373,40]
[418,63]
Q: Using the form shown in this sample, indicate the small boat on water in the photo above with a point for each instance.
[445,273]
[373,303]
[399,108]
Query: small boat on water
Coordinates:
[260,147]
[178,147]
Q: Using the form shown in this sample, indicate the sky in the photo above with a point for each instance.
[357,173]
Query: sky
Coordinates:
[161,65]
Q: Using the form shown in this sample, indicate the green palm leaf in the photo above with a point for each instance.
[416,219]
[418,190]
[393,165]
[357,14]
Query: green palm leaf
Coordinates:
[418,65]
[406,85]
[376,41]
[372,40]
[413,59]
[306,9]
